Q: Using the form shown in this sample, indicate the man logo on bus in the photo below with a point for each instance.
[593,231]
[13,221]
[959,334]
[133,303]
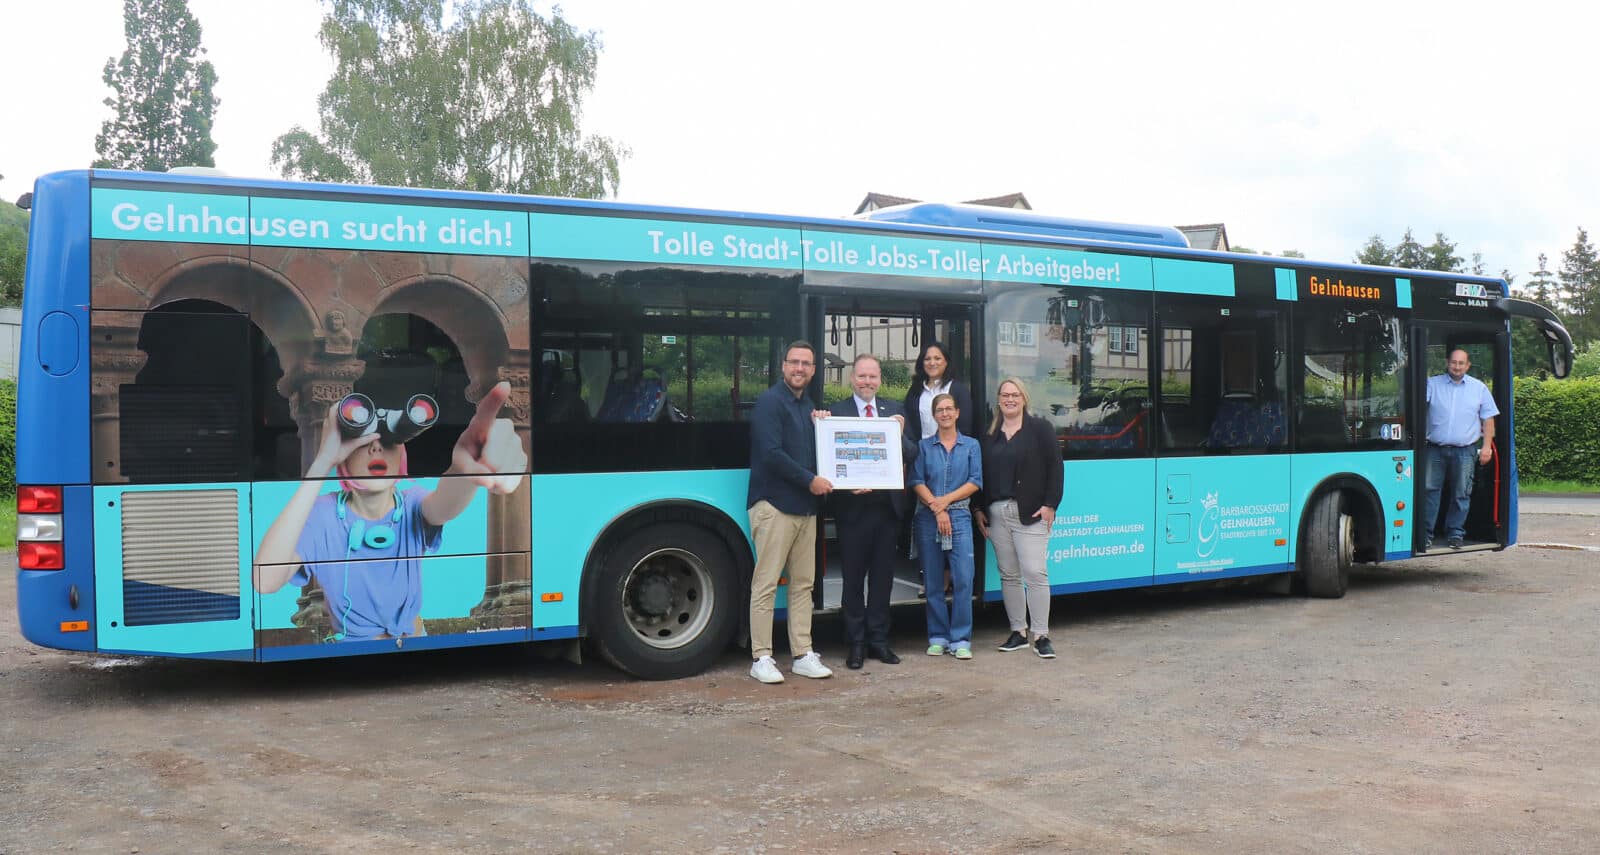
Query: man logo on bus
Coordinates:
[1207,530]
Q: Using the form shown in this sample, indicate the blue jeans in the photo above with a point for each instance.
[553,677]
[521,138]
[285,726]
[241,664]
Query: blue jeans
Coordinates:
[1457,466]
[949,624]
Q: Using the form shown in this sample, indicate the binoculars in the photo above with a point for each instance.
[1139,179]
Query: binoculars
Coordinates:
[358,417]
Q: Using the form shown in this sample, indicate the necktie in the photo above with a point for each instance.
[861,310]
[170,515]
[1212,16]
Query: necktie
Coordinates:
[869,410]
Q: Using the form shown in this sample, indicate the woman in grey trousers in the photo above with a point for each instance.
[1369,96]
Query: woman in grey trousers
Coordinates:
[1021,490]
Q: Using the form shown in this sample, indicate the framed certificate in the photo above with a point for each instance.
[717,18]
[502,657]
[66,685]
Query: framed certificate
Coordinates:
[859,453]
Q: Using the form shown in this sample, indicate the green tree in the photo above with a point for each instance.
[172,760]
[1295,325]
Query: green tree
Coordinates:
[1542,288]
[490,101]
[1580,285]
[13,252]
[1410,254]
[162,92]
[1586,363]
[1376,252]
[1441,254]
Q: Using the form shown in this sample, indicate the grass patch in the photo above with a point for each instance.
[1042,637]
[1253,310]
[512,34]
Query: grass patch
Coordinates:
[1541,486]
[8,522]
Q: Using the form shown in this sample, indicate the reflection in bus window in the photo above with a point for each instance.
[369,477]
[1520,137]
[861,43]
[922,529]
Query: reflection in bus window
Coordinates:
[1223,378]
[651,368]
[1354,381]
[1084,354]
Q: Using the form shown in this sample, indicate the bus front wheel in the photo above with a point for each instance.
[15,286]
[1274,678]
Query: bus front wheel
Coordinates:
[666,604]
[1328,549]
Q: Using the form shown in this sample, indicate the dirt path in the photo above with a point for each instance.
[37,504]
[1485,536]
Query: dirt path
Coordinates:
[1445,705]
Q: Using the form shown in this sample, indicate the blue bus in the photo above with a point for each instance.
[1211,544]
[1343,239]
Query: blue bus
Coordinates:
[262,420]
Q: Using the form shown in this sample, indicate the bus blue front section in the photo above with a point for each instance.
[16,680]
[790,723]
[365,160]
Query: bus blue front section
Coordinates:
[49,598]
[53,368]
[1390,475]
[1511,498]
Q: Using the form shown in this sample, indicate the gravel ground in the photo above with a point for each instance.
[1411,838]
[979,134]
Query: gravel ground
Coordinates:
[1445,705]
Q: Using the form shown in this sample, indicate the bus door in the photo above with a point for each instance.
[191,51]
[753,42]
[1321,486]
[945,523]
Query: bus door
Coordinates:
[1489,515]
[894,328]
[1223,481]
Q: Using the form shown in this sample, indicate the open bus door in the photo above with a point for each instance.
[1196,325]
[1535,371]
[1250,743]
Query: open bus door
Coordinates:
[1490,514]
[892,327]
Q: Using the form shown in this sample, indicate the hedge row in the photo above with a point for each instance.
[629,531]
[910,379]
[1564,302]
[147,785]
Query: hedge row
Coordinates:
[1558,429]
[8,436]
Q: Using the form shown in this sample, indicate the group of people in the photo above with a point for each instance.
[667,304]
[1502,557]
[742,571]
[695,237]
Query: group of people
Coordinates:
[1006,480]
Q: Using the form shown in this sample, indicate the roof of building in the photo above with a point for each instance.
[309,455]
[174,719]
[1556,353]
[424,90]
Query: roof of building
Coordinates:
[874,201]
[1207,236]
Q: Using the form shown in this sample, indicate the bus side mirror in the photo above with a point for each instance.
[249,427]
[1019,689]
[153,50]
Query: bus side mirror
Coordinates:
[1560,358]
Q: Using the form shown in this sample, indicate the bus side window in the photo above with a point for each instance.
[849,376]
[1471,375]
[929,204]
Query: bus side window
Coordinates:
[652,368]
[1223,379]
[1084,355]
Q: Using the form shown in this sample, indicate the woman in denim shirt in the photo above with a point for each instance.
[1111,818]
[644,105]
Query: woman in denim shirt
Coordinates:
[947,471]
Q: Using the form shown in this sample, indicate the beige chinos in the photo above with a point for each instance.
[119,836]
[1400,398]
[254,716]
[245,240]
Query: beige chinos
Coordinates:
[782,540]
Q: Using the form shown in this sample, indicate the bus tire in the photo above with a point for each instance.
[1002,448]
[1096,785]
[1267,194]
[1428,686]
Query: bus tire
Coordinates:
[666,602]
[1327,549]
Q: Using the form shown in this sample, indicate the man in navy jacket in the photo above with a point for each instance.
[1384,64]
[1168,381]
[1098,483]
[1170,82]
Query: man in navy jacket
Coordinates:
[868,522]
[783,497]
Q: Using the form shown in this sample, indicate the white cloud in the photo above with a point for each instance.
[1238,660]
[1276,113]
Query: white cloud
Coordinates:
[1300,129]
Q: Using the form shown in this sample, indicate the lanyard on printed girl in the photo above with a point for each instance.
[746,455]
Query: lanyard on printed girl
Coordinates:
[377,537]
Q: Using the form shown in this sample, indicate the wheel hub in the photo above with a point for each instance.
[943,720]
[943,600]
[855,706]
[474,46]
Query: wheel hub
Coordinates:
[667,598]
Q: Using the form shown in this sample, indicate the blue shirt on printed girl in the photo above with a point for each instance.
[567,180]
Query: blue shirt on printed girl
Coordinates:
[370,591]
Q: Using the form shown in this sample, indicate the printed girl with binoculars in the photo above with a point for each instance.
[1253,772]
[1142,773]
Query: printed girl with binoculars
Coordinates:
[363,543]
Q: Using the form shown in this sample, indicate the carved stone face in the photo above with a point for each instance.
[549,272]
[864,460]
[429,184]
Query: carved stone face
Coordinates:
[336,321]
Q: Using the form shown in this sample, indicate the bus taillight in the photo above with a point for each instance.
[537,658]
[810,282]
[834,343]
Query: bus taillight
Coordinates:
[40,556]
[39,528]
[38,500]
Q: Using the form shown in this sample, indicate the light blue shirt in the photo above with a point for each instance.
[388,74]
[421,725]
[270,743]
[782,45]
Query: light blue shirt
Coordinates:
[1456,410]
[944,471]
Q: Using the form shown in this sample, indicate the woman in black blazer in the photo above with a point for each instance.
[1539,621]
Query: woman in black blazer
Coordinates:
[935,375]
[1021,491]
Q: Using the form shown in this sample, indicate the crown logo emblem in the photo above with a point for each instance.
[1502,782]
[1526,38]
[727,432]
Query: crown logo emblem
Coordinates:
[1209,502]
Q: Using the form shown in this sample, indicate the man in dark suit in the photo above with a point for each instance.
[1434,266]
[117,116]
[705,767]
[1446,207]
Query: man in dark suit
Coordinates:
[868,522]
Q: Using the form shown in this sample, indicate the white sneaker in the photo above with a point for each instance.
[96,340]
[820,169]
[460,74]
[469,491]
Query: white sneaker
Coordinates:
[766,670]
[810,665]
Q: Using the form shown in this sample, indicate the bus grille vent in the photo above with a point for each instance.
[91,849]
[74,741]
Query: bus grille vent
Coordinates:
[180,556]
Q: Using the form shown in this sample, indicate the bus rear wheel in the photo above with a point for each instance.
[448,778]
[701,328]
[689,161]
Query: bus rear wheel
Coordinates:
[1327,550]
[666,604]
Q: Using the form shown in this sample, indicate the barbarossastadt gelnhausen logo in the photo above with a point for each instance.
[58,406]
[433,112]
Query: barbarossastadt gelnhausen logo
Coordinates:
[1208,529]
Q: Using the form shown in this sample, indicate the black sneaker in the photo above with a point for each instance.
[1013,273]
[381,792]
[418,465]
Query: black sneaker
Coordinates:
[1456,543]
[1042,647]
[1015,642]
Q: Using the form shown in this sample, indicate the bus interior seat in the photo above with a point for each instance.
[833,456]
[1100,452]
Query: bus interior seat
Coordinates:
[560,394]
[1242,423]
[633,396]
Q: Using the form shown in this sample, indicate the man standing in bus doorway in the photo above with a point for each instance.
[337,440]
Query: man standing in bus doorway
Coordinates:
[784,493]
[1461,411]
[868,522]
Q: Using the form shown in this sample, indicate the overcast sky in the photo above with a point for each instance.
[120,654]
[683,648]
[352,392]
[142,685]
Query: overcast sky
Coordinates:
[1299,129]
